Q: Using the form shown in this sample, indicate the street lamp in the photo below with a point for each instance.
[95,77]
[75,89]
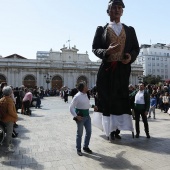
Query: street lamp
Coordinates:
[47,79]
[140,78]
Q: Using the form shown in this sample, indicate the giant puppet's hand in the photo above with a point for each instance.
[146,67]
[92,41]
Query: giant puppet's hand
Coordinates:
[113,48]
[127,59]
[146,113]
[95,108]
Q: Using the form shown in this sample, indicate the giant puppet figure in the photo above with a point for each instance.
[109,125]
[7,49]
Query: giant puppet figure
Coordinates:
[117,45]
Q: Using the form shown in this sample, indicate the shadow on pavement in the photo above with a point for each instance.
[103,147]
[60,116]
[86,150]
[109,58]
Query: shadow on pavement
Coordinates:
[158,120]
[19,160]
[36,115]
[155,145]
[22,157]
[109,162]
[44,109]
[20,118]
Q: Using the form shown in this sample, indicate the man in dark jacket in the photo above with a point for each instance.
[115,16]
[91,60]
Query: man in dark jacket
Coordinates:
[141,107]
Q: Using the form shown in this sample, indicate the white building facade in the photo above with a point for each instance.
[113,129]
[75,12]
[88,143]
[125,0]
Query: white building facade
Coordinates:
[54,69]
[155,60]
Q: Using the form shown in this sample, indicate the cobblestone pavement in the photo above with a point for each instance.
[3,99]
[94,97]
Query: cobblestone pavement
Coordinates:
[47,141]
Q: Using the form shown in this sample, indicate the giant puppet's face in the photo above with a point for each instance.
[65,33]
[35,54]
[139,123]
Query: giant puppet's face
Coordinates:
[115,12]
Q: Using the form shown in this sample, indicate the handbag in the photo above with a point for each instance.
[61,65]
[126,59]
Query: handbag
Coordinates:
[169,111]
[97,120]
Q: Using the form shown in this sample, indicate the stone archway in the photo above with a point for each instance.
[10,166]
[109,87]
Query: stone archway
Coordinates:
[81,78]
[29,81]
[2,78]
[57,82]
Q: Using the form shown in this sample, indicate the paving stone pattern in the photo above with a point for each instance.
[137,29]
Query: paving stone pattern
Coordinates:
[47,141]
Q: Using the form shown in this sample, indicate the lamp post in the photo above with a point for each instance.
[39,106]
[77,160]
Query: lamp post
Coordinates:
[47,79]
[140,78]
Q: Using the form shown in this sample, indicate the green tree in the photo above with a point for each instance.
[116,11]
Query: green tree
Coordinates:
[151,79]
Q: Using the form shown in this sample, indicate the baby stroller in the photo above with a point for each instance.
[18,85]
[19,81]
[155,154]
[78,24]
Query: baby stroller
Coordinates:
[2,132]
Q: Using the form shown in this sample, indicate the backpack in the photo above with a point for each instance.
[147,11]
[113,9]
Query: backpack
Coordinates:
[1,112]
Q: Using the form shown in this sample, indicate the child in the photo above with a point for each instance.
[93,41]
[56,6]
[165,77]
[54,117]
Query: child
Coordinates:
[152,105]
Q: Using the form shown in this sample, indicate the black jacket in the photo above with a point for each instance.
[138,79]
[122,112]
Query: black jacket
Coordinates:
[112,86]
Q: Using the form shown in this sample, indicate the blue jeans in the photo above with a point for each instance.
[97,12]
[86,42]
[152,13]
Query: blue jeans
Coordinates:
[86,122]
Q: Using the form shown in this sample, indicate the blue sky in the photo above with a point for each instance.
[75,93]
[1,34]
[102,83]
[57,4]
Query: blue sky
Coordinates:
[28,26]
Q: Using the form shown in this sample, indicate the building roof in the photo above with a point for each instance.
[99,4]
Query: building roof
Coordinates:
[145,46]
[15,56]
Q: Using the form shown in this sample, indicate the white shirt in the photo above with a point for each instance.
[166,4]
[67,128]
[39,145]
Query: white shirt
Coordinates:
[117,27]
[80,101]
[165,99]
[139,98]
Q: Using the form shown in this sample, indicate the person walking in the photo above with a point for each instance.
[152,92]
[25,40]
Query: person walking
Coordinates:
[65,95]
[153,104]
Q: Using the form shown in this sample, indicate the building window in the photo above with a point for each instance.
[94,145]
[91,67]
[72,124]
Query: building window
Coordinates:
[153,58]
[157,58]
[157,64]
[153,64]
[166,76]
[149,64]
[158,70]
[161,59]
[165,59]
[153,71]
[148,58]
[168,54]
[166,66]
[162,64]
[162,76]
[166,70]
[162,70]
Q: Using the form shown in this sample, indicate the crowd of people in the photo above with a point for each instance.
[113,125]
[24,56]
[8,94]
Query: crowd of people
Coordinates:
[11,100]
[159,97]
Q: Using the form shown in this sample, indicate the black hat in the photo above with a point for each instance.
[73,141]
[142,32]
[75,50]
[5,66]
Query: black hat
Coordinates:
[116,2]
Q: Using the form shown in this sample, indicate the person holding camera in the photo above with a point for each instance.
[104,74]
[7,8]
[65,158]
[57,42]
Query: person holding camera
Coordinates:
[117,45]
[79,108]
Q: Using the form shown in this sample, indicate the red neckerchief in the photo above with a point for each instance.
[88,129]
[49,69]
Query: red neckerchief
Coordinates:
[112,66]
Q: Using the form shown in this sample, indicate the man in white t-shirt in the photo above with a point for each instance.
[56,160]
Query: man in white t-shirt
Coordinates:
[79,109]
[141,107]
